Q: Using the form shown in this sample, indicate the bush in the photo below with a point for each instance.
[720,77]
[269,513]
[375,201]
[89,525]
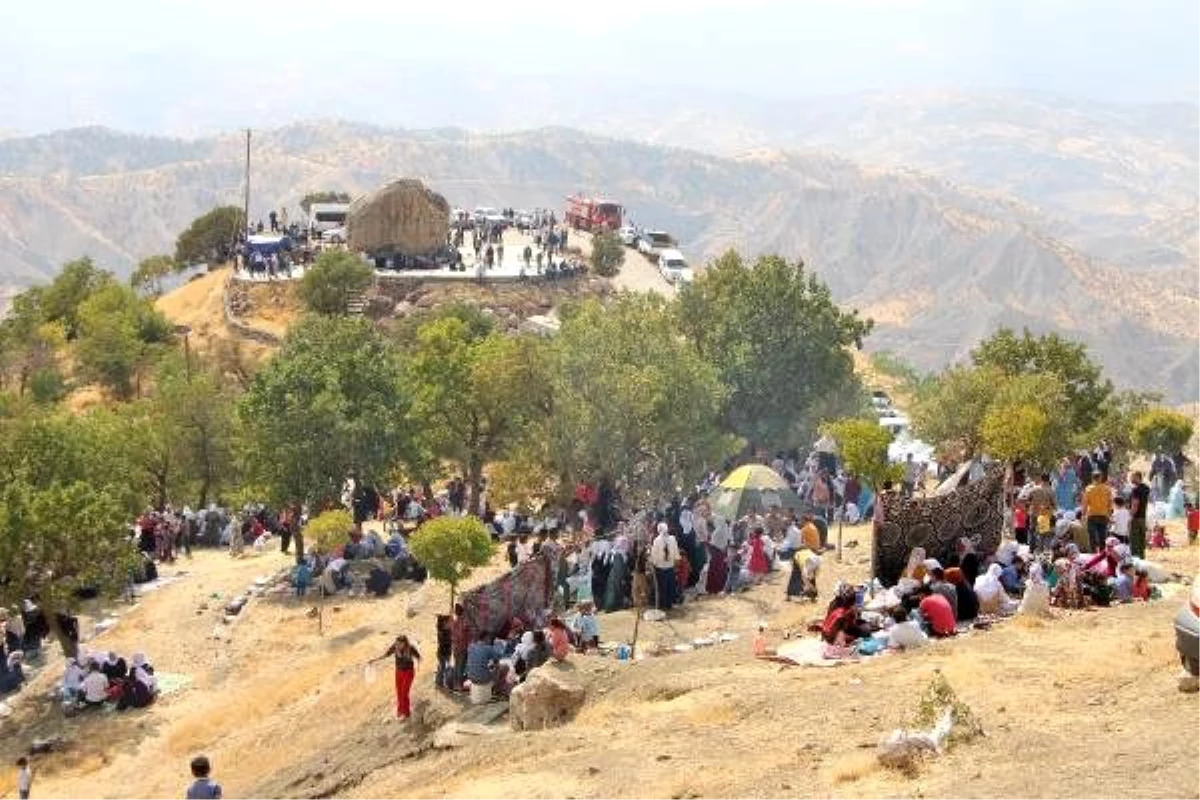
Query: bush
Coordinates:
[336,277]
[608,254]
[450,548]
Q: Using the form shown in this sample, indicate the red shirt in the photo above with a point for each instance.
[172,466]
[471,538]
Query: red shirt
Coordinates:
[1020,519]
[1193,520]
[936,609]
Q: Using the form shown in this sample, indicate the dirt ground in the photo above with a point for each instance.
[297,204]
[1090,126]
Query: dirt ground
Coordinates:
[1084,705]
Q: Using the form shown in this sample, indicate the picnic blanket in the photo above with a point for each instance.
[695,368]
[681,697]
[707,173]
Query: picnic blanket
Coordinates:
[974,511]
[523,593]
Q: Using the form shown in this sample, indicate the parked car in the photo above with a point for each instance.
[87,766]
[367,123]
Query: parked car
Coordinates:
[651,243]
[629,235]
[1187,630]
[673,267]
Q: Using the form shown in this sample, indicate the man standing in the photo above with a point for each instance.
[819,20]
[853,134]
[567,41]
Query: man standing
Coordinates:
[911,472]
[664,554]
[1139,498]
[1097,509]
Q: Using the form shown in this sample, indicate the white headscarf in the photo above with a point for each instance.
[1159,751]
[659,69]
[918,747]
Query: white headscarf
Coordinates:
[987,585]
[525,646]
[1036,600]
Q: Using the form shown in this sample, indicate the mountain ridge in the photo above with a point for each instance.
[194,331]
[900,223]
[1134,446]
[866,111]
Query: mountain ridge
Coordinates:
[942,264]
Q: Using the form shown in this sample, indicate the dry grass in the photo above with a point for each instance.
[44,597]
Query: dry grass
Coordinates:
[853,767]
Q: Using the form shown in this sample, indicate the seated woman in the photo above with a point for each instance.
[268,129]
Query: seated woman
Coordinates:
[141,687]
[841,624]
[95,686]
[990,592]
[905,633]
[967,608]
[560,640]
[72,682]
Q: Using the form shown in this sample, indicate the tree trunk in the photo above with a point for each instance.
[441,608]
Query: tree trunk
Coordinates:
[69,646]
[474,470]
[453,588]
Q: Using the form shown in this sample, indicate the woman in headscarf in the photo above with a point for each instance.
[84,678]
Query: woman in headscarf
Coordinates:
[1036,600]
[990,592]
[802,582]
[1066,486]
[1067,590]
[758,564]
[967,607]
[600,567]
[968,559]
[718,564]
[1175,500]
[616,587]
[915,568]
[142,685]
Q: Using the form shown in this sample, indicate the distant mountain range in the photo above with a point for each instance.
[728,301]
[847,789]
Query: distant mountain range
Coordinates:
[1006,211]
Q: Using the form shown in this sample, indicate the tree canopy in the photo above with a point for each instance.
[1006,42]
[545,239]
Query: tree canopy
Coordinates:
[150,272]
[633,400]
[331,403]
[211,238]
[1161,429]
[863,447]
[335,278]
[450,548]
[118,335]
[476,397]
[309,199]
[1083,384]
[778,342]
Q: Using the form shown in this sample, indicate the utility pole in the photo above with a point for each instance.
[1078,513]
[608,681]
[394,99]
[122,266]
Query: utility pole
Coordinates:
[246,199]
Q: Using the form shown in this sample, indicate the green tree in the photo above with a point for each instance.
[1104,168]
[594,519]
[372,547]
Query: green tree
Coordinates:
[1013,432]
[64,504]
[119,334]
[608,254]
[75,283]
[1161,429]
[211,238]
[330,283]
[633,400]
[950,412]
[150,272]
[331,403]
[863,448]
[1083,383]
[1117,418]
[309,199]
[779,343]
[475,398]
[450,548]
[47,385]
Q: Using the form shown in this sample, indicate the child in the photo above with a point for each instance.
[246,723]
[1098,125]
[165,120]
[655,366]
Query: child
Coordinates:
[204,787]
[1021,523]
[587,632]
[759,646]
[1044,525]
[1193,521]
[733,581]
[303,576]
[1158,537]
[24,778]
[1123,586]
[1121,519]
[443,678]
[1141,584]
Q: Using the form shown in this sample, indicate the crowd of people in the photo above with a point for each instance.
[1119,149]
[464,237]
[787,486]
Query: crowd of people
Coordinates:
[96,680]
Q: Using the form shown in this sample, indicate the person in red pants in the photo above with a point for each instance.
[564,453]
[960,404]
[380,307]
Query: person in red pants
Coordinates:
[406,657]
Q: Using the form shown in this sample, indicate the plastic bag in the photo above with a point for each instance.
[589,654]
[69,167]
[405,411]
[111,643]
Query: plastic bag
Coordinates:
[369,672]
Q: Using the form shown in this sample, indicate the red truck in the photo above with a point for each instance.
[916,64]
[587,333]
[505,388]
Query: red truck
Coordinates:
[593,214]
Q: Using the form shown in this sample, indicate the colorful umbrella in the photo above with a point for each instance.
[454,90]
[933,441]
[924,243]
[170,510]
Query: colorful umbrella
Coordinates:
[752,488]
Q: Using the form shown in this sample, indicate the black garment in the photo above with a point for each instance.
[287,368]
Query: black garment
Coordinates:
[406,658]
[969,564]
[379,582]
[114,670]
[967,607]
[600,569]
[1141,492]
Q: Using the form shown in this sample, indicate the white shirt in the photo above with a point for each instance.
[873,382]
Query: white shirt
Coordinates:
[720,534]
[24,780]
[686,520]
[95,687]
[664,552]
[791,539]
[702,527]
[1121,518]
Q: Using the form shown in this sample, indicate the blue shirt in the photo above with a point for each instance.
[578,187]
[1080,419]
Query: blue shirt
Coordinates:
[204,789]
[479,658]
[585,625]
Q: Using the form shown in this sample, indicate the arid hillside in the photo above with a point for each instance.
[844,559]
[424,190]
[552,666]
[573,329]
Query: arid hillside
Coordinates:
[939,265]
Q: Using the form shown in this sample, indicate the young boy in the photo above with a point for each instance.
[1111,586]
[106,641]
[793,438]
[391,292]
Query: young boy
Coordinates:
[204,787]
[1044,525]
[1121,519]
[24,778]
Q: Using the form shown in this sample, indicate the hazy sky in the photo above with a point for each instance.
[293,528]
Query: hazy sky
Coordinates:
[164,66]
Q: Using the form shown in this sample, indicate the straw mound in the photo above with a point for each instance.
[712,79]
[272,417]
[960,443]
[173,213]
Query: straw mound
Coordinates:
[402,217]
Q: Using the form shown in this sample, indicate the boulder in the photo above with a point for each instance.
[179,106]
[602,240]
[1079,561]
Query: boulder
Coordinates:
[544,700]
[402,217]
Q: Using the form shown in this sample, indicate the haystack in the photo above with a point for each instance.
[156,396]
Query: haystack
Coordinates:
[403,217]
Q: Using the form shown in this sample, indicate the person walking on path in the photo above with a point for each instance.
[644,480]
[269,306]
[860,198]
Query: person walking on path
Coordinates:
[406,657]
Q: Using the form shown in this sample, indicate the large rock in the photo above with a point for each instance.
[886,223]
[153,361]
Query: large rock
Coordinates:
[402,217]
[544,700]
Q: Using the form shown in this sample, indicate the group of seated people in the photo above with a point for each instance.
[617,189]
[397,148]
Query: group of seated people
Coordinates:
[930,600]
[93,680]
[496,664]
